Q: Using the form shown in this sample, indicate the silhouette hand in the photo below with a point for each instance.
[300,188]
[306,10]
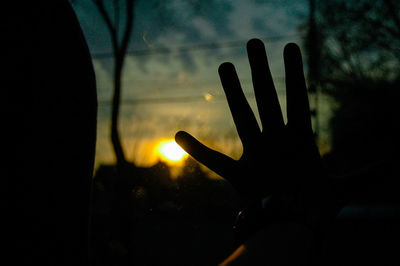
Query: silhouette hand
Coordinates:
[279,160]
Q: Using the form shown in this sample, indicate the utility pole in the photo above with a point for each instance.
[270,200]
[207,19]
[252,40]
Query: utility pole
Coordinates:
[313,48]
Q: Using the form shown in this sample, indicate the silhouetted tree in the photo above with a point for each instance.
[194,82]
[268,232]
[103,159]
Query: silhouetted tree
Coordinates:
[120,48]
[120,30]
[118,16]
[361,39]
[359,64]
[313,47]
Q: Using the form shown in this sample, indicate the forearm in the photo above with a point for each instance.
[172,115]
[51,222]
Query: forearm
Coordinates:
[286,243]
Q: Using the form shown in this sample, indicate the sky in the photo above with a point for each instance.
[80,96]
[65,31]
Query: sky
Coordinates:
[180,90]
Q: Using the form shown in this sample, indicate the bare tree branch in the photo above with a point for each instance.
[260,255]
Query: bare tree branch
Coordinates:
[392,10]
[120,50]
[129,26]
[113,33]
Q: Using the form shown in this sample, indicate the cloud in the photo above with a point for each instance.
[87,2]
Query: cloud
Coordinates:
[183,74]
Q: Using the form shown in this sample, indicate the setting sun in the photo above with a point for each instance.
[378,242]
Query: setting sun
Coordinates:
[171,152]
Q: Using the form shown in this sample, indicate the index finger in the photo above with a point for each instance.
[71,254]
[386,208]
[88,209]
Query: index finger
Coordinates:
[245,121]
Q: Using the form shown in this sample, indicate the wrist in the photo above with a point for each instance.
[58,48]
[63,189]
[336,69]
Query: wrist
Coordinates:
[276,209]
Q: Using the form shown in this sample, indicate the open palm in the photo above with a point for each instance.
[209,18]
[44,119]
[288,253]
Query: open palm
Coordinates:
[281,160]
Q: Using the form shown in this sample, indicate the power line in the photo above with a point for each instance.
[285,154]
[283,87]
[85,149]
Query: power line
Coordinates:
[184,99]
[166,100]
[193,47]
[173,83]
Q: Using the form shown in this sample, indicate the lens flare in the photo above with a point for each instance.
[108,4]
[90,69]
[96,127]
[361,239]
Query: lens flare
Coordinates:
[171,152]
